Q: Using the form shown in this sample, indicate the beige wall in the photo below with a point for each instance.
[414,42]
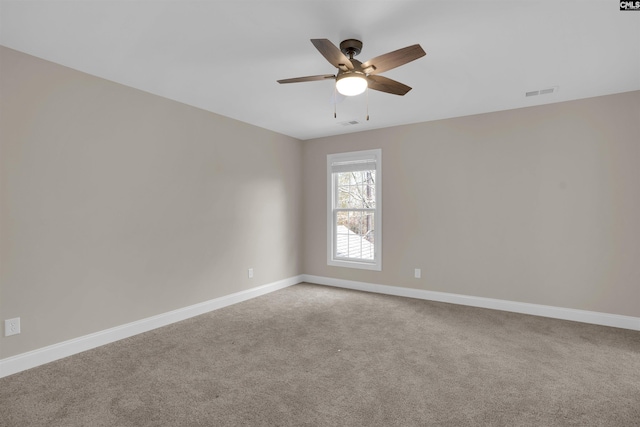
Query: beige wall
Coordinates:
[117,205]
[538,205]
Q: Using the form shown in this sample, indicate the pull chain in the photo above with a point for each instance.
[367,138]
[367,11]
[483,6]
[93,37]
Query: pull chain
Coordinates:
[367,103]
[335,101]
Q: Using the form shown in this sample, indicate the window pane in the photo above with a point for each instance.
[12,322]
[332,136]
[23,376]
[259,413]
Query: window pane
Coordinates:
[356,190]
[354,235]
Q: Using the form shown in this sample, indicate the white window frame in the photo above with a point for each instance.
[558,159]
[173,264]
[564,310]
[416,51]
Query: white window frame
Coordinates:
[366,155]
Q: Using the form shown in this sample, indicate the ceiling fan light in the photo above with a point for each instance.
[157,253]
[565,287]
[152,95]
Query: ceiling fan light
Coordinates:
[351,85]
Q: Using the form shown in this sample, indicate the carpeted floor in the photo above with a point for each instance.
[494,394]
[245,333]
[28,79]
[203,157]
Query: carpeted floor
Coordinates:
[321,356]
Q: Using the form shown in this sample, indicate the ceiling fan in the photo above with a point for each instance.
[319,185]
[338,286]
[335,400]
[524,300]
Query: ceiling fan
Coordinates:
[354,76]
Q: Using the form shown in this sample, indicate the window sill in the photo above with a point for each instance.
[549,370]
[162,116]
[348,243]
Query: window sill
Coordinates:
[355,264]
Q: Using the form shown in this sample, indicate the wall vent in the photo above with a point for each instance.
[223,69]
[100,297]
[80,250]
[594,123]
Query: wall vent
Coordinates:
[542,91]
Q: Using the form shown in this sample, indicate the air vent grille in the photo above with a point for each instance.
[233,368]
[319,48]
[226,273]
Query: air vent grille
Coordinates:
[349,123]
[546,91]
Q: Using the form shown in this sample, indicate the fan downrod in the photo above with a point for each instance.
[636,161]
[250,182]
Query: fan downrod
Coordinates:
[351,47]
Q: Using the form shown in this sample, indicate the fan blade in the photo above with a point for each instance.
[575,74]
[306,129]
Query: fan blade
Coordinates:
[393,59]
[384,84]
[307,79]
[332,53]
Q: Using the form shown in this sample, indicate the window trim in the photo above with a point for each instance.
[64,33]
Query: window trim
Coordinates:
[376,264]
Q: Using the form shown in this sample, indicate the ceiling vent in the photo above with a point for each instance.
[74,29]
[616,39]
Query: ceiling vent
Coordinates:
[352,122]
[542,91]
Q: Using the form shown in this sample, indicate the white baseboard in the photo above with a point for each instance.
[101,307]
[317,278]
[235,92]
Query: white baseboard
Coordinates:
[31,359]
[593,317]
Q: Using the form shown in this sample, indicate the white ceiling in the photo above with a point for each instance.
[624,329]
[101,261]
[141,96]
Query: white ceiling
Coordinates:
[225,56]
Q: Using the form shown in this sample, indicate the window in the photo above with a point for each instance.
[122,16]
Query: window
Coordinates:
[354,209]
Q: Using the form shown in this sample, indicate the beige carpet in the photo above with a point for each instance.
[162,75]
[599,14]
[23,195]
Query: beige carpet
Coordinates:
[320,356]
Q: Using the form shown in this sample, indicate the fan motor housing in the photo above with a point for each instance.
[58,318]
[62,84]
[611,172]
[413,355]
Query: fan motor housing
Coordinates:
[351,47]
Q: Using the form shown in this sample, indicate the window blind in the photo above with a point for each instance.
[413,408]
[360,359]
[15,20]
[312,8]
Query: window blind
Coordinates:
[353,166]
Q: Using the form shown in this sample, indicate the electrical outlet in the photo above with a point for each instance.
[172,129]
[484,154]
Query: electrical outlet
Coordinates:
[417,273]
[250,273]
[11,327]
